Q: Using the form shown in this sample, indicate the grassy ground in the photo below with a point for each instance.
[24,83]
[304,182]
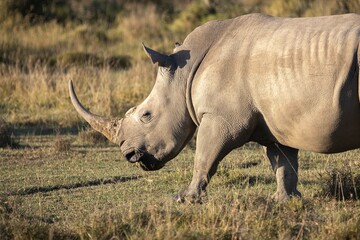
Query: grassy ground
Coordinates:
[88,191]
[59,185]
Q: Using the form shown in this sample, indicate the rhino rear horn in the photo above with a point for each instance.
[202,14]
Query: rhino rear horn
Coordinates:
[156,57]
[108,127]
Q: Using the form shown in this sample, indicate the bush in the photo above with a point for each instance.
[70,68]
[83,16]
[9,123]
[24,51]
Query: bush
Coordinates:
[62,10]
[341,183]
[66,60]
[78,59]
[193,15]
[118,62]
[29,8]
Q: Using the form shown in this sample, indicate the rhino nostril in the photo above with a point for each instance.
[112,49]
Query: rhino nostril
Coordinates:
[129,156]
[133,156]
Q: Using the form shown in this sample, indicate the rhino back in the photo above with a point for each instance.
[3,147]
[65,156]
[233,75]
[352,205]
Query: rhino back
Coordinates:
[300,75]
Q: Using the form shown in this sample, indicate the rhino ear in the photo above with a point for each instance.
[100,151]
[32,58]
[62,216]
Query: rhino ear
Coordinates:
[156,57]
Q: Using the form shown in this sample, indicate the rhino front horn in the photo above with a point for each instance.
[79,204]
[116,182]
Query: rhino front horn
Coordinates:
[108,127]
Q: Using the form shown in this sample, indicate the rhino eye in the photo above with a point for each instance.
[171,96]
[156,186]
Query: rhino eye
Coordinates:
[146,117]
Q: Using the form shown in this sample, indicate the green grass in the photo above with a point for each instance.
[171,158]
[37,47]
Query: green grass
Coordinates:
[60,186]
[90,192]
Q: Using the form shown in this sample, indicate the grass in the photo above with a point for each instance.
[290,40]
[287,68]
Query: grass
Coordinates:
[341,183]
[61,182]
[91,136]
[6,136]
[90,192]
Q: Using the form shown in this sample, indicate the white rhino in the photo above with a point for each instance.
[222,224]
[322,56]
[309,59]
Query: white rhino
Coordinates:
[285,83]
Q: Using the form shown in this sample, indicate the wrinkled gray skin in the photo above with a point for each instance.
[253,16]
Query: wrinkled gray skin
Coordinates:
[286,83]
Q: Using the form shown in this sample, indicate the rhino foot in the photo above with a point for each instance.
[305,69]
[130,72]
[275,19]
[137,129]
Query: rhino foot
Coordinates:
[191,197]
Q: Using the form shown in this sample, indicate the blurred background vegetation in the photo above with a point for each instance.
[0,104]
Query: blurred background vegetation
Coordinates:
[97,44]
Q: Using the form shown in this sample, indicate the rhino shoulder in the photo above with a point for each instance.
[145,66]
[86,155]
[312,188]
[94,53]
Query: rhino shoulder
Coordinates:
[216,28]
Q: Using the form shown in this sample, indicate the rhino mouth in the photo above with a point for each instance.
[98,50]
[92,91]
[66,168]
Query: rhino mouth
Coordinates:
[150,164]
[144,160]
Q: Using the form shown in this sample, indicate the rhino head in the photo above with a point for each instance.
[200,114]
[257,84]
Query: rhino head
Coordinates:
[155,131]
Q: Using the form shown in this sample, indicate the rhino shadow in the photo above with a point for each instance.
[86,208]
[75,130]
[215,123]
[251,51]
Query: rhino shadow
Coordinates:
[96,182]
[249,180]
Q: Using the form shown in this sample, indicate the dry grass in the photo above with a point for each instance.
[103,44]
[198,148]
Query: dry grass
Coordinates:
[341,183]
[6,135]
[62,145]
[90,136]
[41,96]
[88,193]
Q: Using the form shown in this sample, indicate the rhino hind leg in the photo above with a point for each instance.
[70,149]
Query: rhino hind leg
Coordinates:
[284,161]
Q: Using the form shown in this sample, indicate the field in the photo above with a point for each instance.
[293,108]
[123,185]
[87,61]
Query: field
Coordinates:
[59,180]
[87,191]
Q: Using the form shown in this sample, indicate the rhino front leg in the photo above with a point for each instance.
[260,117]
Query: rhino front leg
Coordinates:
[213,143]
[284,161]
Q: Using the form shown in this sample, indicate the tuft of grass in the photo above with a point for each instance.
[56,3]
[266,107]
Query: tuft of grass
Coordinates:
[90,136]
[118,62]
[6,138]
[341,183]
[61,144]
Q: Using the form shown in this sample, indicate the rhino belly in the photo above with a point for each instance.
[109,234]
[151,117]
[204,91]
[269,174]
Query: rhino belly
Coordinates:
[325,129]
